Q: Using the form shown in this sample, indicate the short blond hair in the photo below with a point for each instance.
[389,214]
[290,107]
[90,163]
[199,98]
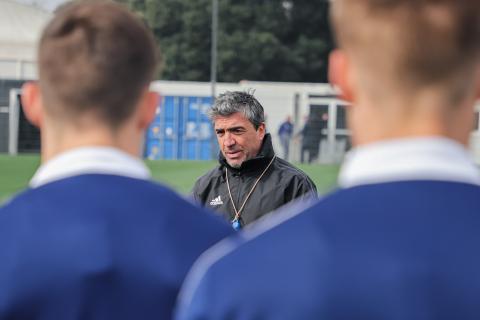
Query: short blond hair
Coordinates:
[412,43]
[95,57]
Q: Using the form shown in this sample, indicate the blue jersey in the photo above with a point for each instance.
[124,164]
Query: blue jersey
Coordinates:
[401,250]
[99,247]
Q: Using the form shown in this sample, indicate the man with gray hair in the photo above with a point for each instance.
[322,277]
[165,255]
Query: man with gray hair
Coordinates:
[250,180]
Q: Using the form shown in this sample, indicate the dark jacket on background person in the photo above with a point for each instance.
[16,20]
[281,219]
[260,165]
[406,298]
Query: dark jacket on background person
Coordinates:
[281,184]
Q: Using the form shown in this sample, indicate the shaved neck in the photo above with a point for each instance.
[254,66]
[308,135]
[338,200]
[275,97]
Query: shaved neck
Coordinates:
[57,138]
[423,113]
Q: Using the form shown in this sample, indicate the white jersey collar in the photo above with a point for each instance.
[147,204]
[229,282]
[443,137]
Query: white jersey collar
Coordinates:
[429,158]
[90,160]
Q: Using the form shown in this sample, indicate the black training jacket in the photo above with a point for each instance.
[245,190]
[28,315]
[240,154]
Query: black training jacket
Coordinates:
[281,184]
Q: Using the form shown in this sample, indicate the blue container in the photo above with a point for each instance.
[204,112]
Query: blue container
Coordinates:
[154,131]
[153,150]
[181,130]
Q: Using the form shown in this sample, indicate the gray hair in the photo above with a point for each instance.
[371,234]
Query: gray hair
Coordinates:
[232,102]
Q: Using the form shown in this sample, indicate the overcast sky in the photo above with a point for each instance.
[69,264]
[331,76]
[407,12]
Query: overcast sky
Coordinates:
[49,5]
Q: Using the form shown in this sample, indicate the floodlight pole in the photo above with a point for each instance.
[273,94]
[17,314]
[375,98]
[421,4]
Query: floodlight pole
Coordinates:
[213,57]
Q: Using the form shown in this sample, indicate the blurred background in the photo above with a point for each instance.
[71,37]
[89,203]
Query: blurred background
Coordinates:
[277,49]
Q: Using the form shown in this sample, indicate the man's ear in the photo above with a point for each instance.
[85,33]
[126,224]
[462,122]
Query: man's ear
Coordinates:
[261,130]
[148,108]
[32,103]
[339,74]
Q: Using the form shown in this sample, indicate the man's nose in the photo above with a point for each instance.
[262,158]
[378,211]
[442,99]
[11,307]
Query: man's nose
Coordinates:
[228,140]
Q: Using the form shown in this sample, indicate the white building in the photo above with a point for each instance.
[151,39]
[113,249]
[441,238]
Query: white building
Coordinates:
[20,29]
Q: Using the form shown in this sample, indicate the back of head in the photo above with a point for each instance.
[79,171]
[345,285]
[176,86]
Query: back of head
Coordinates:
[95,58]
[410,44]
[245,103]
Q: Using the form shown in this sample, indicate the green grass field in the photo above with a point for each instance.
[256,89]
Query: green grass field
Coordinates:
[15,172]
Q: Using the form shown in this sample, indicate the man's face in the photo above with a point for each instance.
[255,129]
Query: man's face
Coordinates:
[237,138]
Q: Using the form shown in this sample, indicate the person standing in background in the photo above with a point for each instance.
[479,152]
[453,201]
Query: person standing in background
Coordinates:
[285,132]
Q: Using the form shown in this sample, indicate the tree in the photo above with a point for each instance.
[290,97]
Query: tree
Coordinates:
[265,40]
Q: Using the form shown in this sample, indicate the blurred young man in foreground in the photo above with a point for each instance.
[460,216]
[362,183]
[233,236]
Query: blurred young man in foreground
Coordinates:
[399,240]
[92,238]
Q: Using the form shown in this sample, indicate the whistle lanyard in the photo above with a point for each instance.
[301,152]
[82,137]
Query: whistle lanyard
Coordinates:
[236,220]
